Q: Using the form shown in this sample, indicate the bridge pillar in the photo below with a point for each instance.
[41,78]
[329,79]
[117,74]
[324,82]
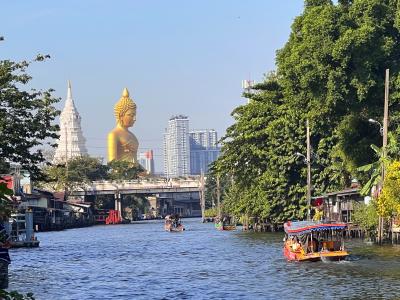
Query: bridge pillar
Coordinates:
[117,205]
[120,206]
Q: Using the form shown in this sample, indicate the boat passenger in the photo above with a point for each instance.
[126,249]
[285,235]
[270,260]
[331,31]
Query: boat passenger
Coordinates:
[313,246]
[296,245]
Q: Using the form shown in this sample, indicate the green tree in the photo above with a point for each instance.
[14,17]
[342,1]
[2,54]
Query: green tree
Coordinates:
[331,72]
[5,202]
[388,202]
[374,169]
[366,216]
[123,170]
[211,188]
[138,204]
[79,172]
[14,295]
[26,117]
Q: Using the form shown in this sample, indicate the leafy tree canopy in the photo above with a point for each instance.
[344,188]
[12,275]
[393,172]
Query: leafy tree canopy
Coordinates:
[330,71]
[122,170]
[26,117]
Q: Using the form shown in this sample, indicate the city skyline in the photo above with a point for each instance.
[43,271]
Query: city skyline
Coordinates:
[204,149]
[73,143]
[177,147]
[174,58]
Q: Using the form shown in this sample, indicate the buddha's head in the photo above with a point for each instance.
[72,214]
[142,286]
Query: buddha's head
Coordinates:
[125,110]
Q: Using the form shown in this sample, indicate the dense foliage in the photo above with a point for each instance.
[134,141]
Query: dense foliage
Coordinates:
[122,170]
[388,202]
[14,295]
[211,191]
[83,170]
[366,216]
[331,71]
[26,118]
[5,201]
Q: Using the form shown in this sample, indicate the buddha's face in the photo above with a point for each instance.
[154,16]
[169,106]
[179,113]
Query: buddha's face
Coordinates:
[128,118]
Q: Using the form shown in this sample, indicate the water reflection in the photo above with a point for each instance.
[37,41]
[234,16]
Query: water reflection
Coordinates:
[141,261]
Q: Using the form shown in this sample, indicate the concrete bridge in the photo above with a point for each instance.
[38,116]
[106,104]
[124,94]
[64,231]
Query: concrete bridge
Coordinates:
[140,187]
[166,196]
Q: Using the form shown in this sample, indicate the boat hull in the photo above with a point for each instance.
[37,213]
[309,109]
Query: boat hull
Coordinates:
[24,244]
[316,256]
[174,229]
[225,227]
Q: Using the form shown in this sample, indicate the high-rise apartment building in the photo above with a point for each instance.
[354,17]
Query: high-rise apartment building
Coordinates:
[176,147]
[203,150]
[71,142]
[146,161]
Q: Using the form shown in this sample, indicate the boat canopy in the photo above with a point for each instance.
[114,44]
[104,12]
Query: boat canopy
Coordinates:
[304,227]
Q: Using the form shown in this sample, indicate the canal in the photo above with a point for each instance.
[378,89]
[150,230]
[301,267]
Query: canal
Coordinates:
[141,261]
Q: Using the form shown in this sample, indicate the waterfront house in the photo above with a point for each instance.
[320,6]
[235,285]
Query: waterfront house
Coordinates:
[338,206]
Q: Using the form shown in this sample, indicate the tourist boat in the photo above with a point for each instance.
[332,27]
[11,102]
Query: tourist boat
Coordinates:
[173,224]
[220,226]
[314,241]
[174,228]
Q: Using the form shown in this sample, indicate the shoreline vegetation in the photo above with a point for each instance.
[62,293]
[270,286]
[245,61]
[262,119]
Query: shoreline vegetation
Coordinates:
[331,72]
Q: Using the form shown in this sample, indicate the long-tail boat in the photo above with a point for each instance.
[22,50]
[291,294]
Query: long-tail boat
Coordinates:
[221,226]
[173,224]
[314,241]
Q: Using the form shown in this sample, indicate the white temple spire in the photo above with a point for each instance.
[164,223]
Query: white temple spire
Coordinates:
[69,92]
[71,142]
[69,101]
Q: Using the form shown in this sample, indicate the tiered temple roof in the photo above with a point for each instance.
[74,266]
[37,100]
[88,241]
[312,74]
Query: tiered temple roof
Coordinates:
[71,142]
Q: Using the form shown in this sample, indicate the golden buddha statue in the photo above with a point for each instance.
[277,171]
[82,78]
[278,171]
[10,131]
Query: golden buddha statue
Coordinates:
[122,144]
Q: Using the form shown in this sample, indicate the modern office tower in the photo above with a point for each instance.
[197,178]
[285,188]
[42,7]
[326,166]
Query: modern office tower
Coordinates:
[71,142]
[146,161]
[176,147]
[203,150]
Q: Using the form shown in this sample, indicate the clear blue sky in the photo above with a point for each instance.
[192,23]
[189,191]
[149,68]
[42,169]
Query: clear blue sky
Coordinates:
[175,57]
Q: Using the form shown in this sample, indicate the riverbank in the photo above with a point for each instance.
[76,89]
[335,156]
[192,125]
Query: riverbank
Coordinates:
[141,261]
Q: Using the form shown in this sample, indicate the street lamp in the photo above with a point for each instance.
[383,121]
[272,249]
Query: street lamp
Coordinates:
[372,121]
[298,154]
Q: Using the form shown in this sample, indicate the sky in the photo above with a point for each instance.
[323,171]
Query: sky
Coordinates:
[175,57]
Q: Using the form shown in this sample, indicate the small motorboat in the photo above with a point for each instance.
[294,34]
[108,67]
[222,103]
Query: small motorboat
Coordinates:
[314,241]
[224,223]
[173,224]
[221,226]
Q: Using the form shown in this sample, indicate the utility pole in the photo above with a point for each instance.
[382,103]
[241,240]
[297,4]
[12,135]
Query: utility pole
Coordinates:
[385,119]
[384,146]
[218,198]
[308,173]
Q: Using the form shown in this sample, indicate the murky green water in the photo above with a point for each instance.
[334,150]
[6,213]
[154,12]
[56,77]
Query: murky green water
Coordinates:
[141,261]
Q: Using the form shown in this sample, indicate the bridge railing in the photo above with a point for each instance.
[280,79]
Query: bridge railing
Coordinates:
[137,184]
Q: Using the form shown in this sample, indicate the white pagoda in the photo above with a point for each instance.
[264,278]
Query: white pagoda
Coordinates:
[72,141]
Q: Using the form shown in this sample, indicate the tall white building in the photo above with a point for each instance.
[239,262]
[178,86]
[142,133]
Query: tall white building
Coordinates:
[71,142]
[176,147]
[203,150]
[146,161]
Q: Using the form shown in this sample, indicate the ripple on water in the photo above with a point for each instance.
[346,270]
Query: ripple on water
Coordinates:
[141,261]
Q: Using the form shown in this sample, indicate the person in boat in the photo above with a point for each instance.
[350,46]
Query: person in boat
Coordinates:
[168,221]
[320,245]
[313,246]
[295,245]
[175,220]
